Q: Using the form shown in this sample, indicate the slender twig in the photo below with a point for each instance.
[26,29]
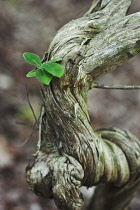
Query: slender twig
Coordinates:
[40,127]
[43,105]
[85,7]
[121,87]
[26,140]
[22,123]
[31,106]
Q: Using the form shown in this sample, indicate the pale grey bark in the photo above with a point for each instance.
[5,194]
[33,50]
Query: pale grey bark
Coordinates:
[70,154]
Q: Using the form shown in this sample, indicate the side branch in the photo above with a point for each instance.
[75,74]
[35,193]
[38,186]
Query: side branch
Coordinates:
[112,47]
[118,87]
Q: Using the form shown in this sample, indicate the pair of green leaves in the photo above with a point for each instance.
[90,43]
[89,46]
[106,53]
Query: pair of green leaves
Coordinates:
[45,71]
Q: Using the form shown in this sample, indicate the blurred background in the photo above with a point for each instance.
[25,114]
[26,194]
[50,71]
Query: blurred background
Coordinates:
[29,26]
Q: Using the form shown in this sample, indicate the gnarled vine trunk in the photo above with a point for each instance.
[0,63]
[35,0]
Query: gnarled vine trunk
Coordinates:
[69,153]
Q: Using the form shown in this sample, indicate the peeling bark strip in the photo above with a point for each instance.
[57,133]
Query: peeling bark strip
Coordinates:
[70,154]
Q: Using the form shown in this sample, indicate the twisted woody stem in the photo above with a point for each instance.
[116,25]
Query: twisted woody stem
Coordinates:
[69,153]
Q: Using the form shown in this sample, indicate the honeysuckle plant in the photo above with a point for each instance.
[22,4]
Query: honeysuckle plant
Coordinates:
[70,154]
[44,71]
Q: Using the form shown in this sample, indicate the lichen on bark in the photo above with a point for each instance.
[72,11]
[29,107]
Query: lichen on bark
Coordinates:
[69,153]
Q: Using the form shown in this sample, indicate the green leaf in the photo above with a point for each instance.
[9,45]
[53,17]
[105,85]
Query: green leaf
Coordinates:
[32,59]
[55,60]
[31,73]
[43,76]
[53,68]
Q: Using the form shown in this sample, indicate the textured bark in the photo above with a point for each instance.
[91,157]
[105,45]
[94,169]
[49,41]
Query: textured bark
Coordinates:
[69,153]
